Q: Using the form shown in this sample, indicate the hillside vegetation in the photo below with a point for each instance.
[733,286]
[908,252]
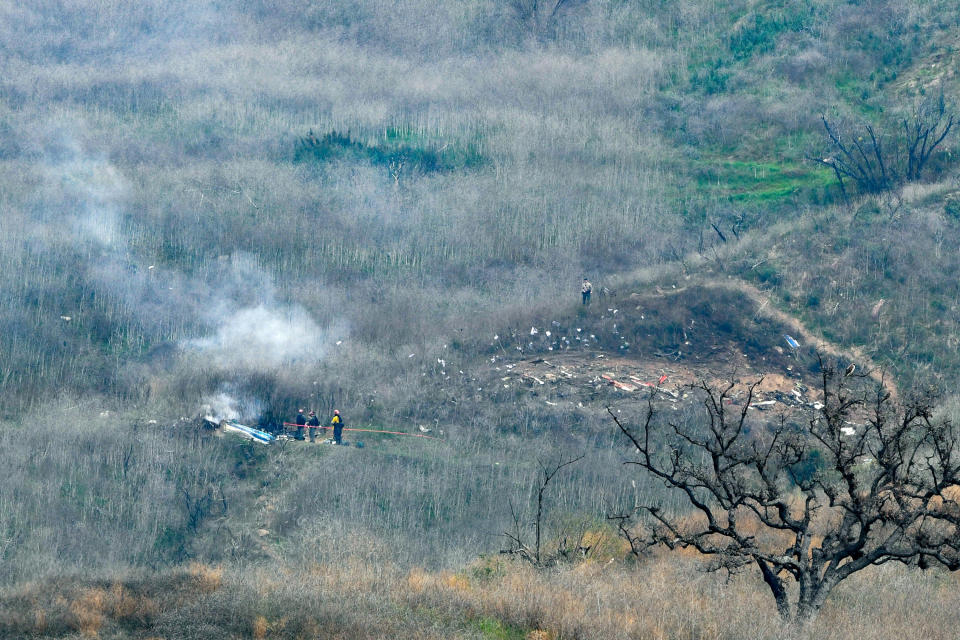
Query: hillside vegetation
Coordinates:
[382,206]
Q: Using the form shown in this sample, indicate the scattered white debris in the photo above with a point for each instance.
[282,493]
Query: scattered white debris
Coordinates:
[441,362]
[411,355]
[496,337]
[547,334]
[66,318]
[339,342]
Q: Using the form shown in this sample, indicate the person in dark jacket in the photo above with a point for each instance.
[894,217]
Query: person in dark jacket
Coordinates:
[314,424]
[301,423]
[337,423]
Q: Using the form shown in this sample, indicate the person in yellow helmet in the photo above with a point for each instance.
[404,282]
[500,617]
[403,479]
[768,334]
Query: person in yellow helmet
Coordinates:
[337,423]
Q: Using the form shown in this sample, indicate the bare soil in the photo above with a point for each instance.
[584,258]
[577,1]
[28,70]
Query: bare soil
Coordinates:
[786,379]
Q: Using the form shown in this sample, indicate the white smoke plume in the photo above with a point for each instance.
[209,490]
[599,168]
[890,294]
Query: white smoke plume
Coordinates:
[233,300]
[227,406]
[261,337]
[85,189]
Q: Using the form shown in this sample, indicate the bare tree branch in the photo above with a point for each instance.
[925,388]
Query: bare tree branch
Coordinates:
[518,547]
[805,502]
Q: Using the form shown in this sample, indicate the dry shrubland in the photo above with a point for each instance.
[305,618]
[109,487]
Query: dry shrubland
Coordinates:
[662,597]
[257,206]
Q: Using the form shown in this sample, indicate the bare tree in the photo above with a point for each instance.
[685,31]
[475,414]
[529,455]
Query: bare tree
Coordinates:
[861,154]
[516,537]
[809,503]
[924,130]
[877,161]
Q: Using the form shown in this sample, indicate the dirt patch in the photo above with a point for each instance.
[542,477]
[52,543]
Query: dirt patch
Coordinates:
[576,379]
[718,333]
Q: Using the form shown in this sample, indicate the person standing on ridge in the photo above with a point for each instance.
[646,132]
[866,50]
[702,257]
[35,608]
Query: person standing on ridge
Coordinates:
[301,421]
[337,423]
[585,290]
[314,424]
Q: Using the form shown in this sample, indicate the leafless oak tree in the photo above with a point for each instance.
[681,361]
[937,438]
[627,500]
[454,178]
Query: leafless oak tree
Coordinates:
[877,160]
[807,504]
[924,130]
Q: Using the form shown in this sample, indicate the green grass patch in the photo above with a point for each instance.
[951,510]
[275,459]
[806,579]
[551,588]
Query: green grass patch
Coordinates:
[399,149]
[758,182]
[496,630]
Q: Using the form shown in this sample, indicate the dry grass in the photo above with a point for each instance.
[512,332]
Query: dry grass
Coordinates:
[88,612]
[208,579]
[672,598]
[665,597]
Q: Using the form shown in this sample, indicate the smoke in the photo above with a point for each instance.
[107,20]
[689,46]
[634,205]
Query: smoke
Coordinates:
[228,312]
[259,337]
[226,405]
[82,192]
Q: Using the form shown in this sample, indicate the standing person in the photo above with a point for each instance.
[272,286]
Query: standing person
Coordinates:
[337,423]
[314,424]
[301,422]
[585,290]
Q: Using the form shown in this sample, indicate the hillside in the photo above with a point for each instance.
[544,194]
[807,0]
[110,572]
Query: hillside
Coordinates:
[387,208]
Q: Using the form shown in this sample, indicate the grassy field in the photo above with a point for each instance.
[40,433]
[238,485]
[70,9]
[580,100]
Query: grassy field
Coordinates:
[247,208]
